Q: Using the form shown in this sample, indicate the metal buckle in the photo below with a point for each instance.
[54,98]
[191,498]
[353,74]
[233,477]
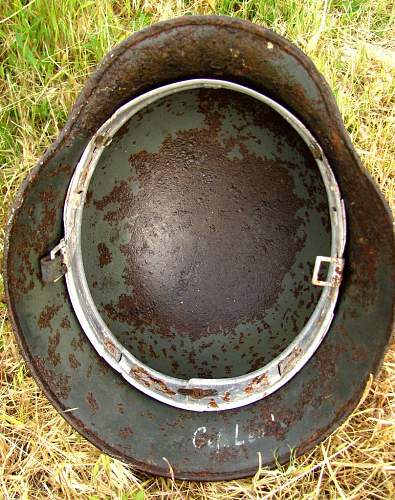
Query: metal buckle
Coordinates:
[335,272]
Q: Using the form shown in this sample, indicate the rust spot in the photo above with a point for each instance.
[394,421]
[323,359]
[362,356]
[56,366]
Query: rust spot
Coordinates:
[226,397]
[111,348]
[53,342]
[104,255]
[59,383]
[47,196]
[61,168]
[88,431]
[197,393]
[289,362]
[93,404]
[78,342]
[149,381]
[47,314]
[256,383]
[125,432]
[65,323]
[338,276]
[74,363]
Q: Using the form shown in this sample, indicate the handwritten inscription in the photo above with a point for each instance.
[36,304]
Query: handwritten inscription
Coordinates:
[202,437]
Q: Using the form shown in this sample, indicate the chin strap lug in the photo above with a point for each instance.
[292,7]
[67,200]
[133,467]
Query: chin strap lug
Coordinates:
[53,266]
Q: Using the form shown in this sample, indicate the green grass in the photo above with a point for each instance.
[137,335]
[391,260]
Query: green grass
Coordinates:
[47,50]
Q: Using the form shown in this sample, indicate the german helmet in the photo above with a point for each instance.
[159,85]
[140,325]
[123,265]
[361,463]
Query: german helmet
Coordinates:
[199,271]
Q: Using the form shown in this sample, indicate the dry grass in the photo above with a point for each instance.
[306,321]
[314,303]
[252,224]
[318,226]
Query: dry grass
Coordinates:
[47,48]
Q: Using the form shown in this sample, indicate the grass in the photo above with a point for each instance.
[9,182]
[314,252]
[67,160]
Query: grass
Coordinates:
[47,49]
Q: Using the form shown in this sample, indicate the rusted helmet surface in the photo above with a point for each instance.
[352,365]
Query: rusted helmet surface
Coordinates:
[199,271]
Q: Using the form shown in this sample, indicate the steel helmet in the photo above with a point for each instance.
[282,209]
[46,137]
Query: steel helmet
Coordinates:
[199,270]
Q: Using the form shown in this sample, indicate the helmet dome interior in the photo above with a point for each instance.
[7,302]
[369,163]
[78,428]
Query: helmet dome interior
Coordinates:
[200,230]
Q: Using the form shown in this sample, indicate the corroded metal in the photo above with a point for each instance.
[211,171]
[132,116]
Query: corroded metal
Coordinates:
[121,420]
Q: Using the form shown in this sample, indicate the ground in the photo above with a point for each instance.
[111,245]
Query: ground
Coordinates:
[47,49]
